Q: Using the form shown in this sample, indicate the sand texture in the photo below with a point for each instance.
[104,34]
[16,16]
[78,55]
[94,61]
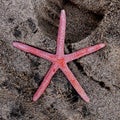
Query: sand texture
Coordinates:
[35,22]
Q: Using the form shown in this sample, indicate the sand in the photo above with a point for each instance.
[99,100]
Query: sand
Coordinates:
[35,22]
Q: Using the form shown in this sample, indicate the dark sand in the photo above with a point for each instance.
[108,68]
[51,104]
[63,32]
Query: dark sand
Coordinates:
[36,22]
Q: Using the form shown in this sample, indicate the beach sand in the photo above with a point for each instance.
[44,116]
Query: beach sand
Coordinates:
[35,22]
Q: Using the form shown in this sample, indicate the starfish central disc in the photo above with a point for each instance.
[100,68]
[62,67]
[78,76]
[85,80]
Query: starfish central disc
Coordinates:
[61,62]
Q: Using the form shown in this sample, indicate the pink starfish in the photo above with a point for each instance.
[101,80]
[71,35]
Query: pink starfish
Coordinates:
[59,60]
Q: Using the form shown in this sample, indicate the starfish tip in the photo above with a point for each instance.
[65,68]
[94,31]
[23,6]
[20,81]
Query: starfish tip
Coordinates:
[63,11]
[34,98]
[14,44]
[102,45]
[87,100]
[18,44]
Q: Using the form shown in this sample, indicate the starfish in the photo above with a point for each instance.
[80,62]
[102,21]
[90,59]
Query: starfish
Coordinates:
[59,60]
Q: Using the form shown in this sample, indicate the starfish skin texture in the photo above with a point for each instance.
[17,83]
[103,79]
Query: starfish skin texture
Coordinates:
[59,60]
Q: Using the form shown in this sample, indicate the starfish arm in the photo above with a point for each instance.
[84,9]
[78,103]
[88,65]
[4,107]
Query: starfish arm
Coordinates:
[83,52]
[74,82]
[45,82]
[34,51]
[61,34]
